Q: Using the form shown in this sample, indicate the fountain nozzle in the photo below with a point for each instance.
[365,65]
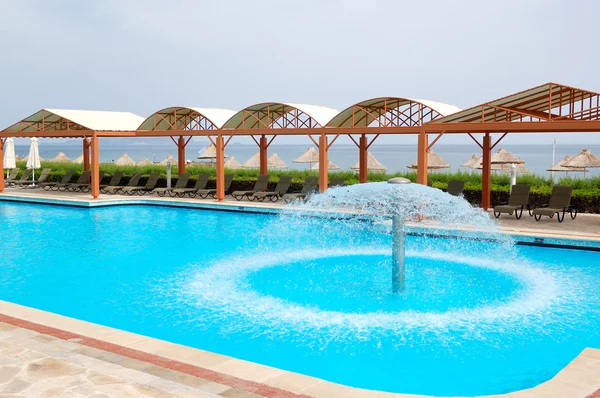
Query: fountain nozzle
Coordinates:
[399,180]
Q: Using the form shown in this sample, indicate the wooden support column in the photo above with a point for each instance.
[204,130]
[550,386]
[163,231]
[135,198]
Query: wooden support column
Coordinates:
[95,167]
[486,172]
[86,154]
[2,140]
[220,168]
[323,163]
[263,145]
[180,155]
[422,158]
[363,173]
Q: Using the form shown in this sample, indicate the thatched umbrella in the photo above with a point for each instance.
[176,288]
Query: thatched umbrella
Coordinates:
[560,167]
[275,162]
[372,164]
[209,153]
[585,159]
[79,160]
[169,158]
[471,162]
[253,162]
[505,157]
[330,166]
[26,158]
[434,162]
[310,156]
[145,162]
[232,164]
[125,160]
[61,158]
[521,169]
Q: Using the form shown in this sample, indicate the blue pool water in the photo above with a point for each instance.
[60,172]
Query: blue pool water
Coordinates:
[472,321]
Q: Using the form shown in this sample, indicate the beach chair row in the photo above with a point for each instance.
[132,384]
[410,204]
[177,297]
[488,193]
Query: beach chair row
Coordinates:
[518,202]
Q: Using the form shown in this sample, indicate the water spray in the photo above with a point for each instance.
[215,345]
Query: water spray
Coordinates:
[398,249]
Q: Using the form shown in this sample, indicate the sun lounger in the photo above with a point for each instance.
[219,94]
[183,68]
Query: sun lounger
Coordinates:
[12,177]
[181,183]
[205,193]
[456,188]
[83,177]
[63,182]
[114,181]
[280,189]
[261,185]
[310,185]
[518,200]
[336,182]
[191,192]
[85,186]
[559,204]
[112,189]
[143,189]
[24,178]
[41,179]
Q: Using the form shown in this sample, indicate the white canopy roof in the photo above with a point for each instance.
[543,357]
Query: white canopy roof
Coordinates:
[82,120]
[259,115]
[163,119]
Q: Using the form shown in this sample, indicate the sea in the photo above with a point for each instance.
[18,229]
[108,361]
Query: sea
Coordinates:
[395,158]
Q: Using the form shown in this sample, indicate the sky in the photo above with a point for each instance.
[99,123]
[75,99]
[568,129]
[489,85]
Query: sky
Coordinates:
[145,55]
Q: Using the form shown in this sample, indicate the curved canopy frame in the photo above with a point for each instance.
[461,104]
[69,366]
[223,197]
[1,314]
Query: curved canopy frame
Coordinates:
[391,112]
[186,118]
[280,115]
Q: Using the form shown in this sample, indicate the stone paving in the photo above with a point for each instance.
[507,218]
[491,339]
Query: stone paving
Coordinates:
[39,365]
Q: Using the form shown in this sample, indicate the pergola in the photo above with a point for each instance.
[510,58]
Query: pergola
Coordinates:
[547,108]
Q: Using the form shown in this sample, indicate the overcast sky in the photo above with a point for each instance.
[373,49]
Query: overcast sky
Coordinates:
[144,55]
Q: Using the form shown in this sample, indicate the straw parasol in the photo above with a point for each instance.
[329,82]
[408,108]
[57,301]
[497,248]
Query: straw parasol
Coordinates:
[505,157]
[372,164]
[521,169]
[330,166]
[585,159]
[125,160]
[145,162]
[310,156]
[232,164]
[434,162]
[275,162]
[61,158]
[210,152]
[79,160]
[169,158]
[471,162]
[26,158]
[560,167]
[253,162]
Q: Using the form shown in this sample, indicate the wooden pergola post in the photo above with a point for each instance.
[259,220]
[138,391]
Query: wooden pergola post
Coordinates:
[180,155]
[486,172]
[363,171]
[220,146]
[2,141]
[95,167]
[263,146]
[323,163]
[422,158]
[86,154]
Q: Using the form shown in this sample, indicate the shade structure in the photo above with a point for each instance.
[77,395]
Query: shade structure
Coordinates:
[434,162]
[472,162]
[585,159]
[145,162]
[372,164]
[61,158]
[167,160]
[310,156]
[560,167]
[232,164]
[505,157]
[330,166]
[521,169]
[275,162]
[253,162]
[78,160]
[209,153]
[10,160]
[125,160]
[33,159]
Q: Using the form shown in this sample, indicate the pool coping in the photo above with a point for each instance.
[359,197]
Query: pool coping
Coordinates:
[578,379]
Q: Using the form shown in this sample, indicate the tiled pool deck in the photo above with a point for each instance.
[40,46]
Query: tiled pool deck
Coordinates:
[45,354]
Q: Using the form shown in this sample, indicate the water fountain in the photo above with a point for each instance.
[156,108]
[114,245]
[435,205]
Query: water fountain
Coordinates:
[398,249]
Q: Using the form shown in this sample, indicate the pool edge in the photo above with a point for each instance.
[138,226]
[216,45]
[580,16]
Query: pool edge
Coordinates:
[574,380]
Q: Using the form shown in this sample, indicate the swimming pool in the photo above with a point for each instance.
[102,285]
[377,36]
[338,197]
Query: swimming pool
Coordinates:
[470,323]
